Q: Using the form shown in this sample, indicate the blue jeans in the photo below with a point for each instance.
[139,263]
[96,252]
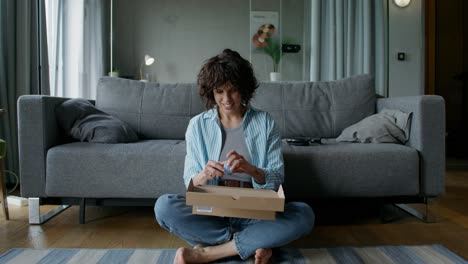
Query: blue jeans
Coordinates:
[173,214]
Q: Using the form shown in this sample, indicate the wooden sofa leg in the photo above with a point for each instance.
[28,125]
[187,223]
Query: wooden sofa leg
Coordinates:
[82,211]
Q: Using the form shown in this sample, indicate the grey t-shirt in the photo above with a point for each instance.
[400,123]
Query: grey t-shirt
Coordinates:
[233,139]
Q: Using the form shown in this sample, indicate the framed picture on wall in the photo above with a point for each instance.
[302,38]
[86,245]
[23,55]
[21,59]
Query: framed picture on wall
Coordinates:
[264,25]
[265,47]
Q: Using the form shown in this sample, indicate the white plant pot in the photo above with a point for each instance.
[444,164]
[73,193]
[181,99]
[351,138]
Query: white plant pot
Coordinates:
[114,74]
[275,76]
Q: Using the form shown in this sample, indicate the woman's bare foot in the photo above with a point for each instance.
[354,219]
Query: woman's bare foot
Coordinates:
[263,255]
[200,254]
[188,255]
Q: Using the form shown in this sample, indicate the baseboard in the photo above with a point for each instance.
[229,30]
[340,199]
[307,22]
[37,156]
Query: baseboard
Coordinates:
[16,200]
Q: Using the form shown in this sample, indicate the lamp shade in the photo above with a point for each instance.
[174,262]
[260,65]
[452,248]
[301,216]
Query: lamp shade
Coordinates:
[148,60]
[402,3]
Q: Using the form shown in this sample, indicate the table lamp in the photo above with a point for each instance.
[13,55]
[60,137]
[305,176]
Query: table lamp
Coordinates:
[402,3]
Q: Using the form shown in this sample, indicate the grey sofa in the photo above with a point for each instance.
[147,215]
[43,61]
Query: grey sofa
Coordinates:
[55,169]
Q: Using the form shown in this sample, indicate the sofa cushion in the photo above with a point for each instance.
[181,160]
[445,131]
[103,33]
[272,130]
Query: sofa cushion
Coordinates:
[317,109]
[301,109]
[144,169]
[102,128]
[329,170]
[153,110]
[387,126]
[81,120]
[350,170]
[72,110]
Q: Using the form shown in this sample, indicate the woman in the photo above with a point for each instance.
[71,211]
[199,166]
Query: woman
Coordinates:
[231,134]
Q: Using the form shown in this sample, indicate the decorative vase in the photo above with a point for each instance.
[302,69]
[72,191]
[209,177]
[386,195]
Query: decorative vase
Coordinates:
[275,76]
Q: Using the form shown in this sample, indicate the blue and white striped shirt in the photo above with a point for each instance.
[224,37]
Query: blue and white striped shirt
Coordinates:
[204,141]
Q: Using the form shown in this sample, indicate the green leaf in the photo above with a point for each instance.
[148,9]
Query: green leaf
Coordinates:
[273,49]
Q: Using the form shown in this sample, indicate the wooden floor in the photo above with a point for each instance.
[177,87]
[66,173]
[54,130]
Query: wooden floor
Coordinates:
[125,227]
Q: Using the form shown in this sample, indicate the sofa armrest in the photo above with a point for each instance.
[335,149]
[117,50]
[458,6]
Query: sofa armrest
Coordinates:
[427,135]
[38,131]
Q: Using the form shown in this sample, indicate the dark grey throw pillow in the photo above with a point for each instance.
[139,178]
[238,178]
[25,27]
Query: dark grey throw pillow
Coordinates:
[81,120]
[102,128]
[70,111]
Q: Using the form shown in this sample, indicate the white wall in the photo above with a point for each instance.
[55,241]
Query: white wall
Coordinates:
[406,34]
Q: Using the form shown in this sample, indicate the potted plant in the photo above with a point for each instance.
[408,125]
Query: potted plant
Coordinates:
[265,41]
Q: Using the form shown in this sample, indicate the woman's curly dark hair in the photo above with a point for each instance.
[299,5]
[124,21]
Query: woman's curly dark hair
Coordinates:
[226,67]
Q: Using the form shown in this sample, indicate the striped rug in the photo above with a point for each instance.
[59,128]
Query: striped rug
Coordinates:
[348,255]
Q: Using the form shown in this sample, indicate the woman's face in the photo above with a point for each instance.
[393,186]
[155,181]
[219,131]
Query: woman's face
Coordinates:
[228,99]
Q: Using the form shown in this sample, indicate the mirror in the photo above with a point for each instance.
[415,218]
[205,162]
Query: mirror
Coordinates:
[182,34]
[316,40]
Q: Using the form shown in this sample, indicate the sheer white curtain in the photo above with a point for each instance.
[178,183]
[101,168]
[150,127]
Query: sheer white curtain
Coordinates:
[348,38]
[75,36]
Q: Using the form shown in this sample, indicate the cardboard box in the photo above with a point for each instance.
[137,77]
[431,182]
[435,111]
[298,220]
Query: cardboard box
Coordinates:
[235,202]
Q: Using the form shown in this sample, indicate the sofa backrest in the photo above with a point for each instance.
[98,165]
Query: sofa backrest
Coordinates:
[153,110]
[312,109]
[317,109]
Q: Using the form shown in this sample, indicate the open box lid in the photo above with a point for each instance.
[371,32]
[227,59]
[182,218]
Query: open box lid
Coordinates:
[236,198]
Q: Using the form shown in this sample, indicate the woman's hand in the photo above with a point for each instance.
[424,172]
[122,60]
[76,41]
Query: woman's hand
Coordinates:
[239,164]
[211,170]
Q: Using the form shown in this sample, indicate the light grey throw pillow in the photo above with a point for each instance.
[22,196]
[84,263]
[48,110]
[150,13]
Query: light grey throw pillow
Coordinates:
[388,126]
